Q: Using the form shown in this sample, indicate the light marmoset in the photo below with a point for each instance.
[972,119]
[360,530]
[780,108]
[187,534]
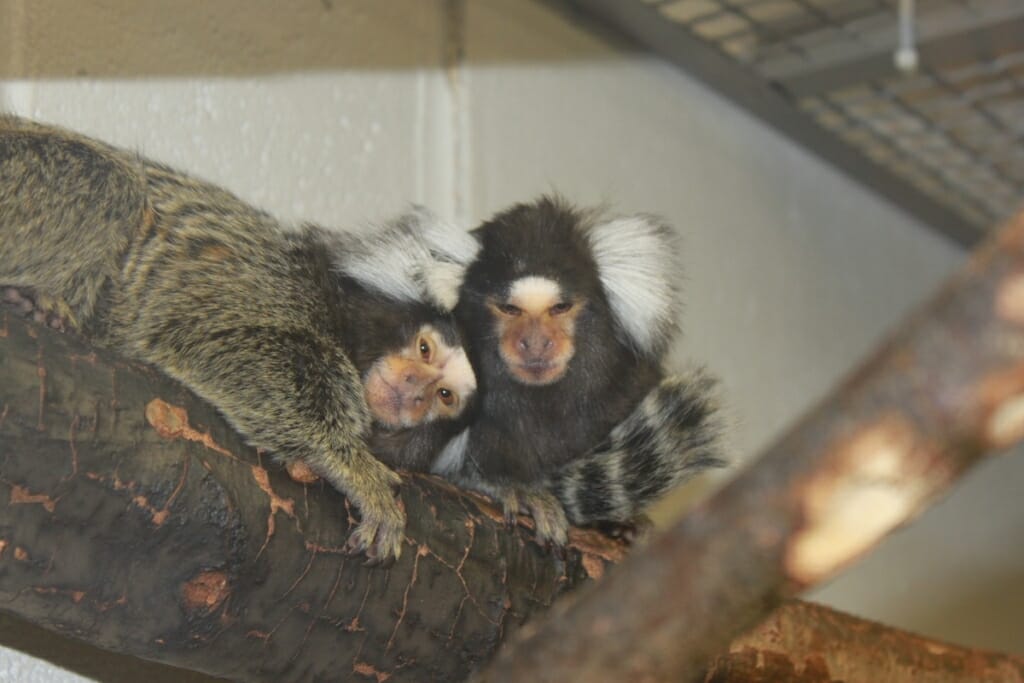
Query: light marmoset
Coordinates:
[306,351]
[566,317]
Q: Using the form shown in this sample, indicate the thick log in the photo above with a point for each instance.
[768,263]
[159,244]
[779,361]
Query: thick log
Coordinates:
[806,643]
[945,390]
[132,517]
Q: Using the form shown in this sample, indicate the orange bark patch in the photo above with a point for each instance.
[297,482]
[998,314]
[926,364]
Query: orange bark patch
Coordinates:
[20,554]
[20,496]
[368,670]
[205,591]
[286,505]
[171,422]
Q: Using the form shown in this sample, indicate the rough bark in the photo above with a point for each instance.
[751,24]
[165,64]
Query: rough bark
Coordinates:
[132,517]
[946,389]
[806,643]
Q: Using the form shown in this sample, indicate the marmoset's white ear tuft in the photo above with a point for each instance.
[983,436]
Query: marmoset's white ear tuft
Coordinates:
[452,249]
[415,257]
[638,263]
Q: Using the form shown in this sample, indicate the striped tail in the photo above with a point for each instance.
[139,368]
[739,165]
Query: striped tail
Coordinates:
[670,437]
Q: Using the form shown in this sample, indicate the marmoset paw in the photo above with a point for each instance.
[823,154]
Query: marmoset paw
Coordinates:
[508,498]
[548,517]
[379,535]
[55,312]
[381,529]
[43,309]
[549,520]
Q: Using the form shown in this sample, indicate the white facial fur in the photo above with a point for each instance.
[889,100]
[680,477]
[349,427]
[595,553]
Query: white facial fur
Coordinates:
[534,294]
[458,373]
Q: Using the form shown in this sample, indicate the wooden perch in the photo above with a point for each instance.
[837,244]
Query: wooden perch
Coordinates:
[945,390]
[806,643]
[132,517]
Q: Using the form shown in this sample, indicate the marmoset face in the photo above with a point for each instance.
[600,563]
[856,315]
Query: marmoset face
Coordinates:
[425,380]
[535,323]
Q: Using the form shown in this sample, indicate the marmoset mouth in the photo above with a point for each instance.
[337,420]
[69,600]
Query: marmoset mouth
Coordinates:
[388,404]
[539,372]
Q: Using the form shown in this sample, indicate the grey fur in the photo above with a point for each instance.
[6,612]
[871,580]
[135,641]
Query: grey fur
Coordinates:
[182,274]
[671,436]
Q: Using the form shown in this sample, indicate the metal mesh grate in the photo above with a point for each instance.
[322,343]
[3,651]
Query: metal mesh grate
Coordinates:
[954,129]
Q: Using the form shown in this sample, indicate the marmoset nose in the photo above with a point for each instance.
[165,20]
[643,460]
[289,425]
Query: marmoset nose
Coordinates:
[535,345]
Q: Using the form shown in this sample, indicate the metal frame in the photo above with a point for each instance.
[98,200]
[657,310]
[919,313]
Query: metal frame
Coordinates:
[954,50]
[644,24]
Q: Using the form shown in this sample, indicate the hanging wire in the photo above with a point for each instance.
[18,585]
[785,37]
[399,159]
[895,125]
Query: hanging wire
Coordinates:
[906,53]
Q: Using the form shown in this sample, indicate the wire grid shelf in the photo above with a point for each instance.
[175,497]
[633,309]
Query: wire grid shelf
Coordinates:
[954,128]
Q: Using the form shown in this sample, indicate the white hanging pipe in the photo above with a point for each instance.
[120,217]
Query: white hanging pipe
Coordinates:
[906,54]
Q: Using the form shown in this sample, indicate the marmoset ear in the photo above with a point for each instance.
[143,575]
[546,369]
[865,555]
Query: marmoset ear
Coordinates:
[415,257]
[639,267]
[452,249]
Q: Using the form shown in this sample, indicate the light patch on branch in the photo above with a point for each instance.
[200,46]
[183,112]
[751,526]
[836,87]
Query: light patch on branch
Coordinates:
[1001,398]
[1010,299]
[880,478]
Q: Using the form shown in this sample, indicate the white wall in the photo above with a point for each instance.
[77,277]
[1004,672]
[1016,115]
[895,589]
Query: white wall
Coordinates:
[341,111]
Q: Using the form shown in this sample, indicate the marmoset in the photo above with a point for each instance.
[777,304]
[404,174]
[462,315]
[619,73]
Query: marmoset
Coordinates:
[566,317]
[309,342]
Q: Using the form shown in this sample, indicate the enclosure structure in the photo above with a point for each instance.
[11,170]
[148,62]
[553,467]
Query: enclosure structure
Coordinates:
[942,141]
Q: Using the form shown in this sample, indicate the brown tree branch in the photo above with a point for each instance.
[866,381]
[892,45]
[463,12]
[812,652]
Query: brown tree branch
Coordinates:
[806,643]
[133,518]
[946,389]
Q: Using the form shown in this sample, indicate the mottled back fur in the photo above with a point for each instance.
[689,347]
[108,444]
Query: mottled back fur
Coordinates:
[182,274]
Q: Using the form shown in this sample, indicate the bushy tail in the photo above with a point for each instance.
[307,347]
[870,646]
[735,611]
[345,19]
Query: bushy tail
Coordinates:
[671,436]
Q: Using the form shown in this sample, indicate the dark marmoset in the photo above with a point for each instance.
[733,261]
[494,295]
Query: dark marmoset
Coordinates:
[567,316]
[305,343]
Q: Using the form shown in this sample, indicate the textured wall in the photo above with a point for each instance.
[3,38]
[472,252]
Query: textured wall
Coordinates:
[342,111]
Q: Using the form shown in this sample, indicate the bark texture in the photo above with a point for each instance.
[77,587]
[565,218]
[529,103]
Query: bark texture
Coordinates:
[806,643]
[946,389]
[132,517]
